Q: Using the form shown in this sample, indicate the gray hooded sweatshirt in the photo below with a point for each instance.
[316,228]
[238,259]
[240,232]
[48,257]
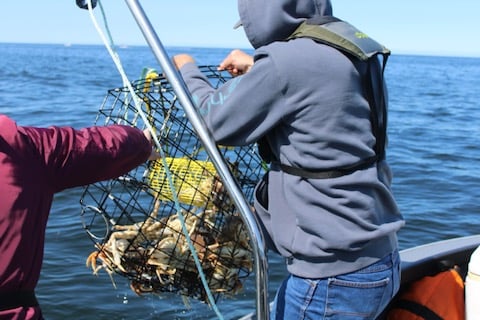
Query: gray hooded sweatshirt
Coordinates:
[307,99]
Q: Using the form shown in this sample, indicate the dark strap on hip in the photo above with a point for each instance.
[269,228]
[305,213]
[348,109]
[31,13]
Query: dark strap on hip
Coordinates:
[12,300]
[328,174]
[416,308]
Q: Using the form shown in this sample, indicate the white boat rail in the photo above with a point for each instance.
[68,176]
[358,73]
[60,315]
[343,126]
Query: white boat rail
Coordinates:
[204,135]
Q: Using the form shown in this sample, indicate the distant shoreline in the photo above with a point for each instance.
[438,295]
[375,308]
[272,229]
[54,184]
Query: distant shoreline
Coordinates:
[177,47]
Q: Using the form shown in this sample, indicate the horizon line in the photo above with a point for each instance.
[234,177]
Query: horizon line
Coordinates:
[212,46]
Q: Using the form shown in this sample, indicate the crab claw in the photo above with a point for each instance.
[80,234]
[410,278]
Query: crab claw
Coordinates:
[92,262]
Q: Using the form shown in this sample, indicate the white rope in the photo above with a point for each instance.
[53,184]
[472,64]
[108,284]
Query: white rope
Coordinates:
[116,59]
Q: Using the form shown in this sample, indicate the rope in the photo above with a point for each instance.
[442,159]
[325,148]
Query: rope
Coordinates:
[136,99]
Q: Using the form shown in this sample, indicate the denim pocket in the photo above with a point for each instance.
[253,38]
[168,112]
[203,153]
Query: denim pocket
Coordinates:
[362,294]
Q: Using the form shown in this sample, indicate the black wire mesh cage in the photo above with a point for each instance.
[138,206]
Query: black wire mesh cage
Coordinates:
[169,225]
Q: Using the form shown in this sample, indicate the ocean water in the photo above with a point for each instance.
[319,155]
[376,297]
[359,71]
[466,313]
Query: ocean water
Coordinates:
[434,151]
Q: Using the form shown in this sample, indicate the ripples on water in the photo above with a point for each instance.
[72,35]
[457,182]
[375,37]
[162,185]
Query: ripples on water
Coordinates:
[434,145]
[433,149]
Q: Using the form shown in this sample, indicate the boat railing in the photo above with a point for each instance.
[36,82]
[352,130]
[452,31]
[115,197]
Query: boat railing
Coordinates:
[204,135]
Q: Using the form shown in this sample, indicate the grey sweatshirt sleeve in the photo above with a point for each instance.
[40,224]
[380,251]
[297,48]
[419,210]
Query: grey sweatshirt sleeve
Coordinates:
[244,108]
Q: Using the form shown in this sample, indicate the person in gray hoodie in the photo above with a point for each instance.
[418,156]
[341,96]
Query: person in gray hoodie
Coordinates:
[308,101]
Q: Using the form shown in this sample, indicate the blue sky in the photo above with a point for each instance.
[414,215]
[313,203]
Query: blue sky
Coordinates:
[413,27]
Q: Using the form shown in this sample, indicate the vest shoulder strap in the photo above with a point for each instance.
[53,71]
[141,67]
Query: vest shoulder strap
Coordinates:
[341,35]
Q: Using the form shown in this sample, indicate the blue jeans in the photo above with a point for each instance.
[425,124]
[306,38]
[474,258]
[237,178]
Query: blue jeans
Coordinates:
[362,294]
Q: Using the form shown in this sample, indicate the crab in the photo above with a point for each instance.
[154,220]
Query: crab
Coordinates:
[124,241]
[155,253]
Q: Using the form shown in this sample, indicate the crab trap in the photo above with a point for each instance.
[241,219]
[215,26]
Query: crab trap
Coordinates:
[145,223]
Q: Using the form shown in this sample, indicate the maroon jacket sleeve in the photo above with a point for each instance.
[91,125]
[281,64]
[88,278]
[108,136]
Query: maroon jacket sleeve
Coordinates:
[35,163]
[79,157]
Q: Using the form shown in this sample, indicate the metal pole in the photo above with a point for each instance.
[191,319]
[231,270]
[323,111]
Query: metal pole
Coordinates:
[207,140]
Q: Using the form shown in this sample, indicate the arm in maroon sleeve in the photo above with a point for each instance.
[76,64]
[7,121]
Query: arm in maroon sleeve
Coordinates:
[79,157]
[34,164]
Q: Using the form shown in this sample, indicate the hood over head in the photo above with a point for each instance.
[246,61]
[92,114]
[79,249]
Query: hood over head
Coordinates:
[266,21]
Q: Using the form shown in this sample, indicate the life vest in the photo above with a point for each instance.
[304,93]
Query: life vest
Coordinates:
[348,39]
[438,297]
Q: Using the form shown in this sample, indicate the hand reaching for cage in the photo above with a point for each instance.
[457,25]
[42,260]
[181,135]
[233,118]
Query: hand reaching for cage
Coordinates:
[182,59]
[154,155]
[236,63]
